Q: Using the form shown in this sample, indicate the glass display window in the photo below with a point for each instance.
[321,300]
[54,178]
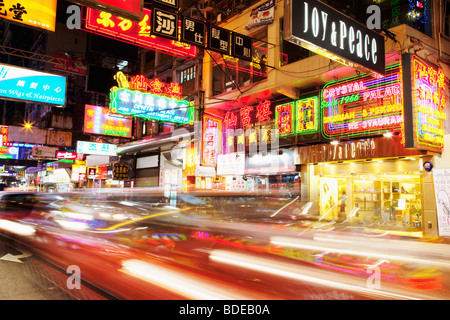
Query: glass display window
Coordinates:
[368,196]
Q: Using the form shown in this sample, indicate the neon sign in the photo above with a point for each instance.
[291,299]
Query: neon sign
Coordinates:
[424,87]
[137,33]
[230,120]
[150,106]
[212,129]
[156,86]
[100,120]
[263,111]
[307,115]
[248,115]
[246,118]
[363,105]
[284,115]
[4,135]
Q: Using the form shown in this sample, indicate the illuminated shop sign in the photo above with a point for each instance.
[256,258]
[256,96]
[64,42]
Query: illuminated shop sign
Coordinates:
[300,116]
[33,86]
[137,33]
[150,106]
[68,155]
[322,29]
[248,115]
[105,149]
[211,144]
[357,149]
[9,153]
[156,86]
[100,120]
[129,9]
[37,13]
[307,115]
[3,135]
[423,89]
[284,115]
[362,105]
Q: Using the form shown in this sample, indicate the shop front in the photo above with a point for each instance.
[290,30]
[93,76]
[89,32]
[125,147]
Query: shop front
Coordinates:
[273,172]
[373,183]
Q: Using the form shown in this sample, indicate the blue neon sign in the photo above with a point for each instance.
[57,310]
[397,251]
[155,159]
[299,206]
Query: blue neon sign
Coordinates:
[33,86]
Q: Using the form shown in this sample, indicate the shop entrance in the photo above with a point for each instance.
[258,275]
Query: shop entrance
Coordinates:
[379,194]
[333,197]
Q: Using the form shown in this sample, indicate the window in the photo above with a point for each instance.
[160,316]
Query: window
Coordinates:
[187,74]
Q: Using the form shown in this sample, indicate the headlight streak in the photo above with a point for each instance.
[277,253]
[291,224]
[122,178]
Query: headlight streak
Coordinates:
[187,285]
[17,228]
[140,219]
[302,244]
[282,208]
[291,272]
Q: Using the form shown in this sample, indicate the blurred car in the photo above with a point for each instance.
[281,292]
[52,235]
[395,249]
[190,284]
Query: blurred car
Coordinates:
[142,246]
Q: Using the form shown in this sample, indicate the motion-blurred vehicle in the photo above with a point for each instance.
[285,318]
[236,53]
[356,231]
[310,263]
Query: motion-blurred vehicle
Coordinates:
[139,245]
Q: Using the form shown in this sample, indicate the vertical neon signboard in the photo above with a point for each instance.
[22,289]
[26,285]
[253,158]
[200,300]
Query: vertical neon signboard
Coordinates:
[284,115]
[363,105]
[423,87]
[212,131]
[307,115]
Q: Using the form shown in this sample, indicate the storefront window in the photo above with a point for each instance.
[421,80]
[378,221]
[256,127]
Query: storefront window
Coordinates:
[370,195]
[231,73]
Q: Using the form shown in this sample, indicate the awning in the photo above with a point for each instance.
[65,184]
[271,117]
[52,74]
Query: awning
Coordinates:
[155,142]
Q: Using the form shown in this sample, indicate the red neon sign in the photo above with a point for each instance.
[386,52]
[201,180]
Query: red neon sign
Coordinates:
[141,83]
[212,128]
[245,115]
[230,120]
[263,111]
[137,33]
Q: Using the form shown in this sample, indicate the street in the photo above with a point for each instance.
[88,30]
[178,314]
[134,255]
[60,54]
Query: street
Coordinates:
[26,277]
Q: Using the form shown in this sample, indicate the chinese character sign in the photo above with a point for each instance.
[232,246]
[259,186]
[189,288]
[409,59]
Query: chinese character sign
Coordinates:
[164,24]
[34,86]
[212,131]
[425,101]
[284,115]
[150,106]
[37,13]
[193,31]
[219,39]
[307,112]
[242,46]
[87,147]
[137,33]
[100,120]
